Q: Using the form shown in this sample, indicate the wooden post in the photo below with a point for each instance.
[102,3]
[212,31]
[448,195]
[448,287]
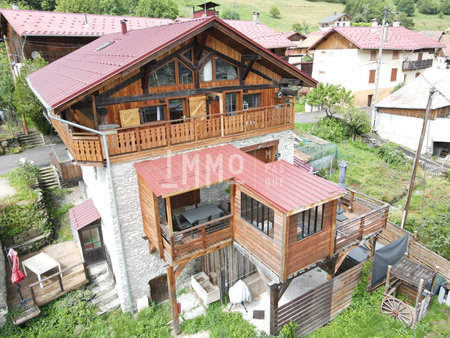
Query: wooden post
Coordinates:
[388,276]
[273,307]
[222,127]
[168,134]
[434,279]
[373,243]
[419,293]
[232,201]
[361,228]
[94,110]
[415,236]
[60,283]
[86,274]
[173,299]
[417,159]
[33,295]
[352,199]
[203,238]
[169,216]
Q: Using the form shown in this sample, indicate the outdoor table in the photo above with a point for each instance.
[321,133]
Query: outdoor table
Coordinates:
[39,264]
[200,213]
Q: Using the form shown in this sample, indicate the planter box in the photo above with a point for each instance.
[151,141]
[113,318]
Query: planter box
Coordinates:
[255,284]
[207,292]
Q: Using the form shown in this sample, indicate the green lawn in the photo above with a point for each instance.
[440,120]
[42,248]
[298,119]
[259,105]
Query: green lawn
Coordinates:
[299,11]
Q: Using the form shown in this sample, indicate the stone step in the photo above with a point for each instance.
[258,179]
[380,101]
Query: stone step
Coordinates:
[31,140]
[100,278]
[109,307]
[97,269]
[101,287]
[104,297]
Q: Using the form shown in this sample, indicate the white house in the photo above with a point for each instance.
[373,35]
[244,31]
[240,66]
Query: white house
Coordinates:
[340,20]
[400,115]
[348,56]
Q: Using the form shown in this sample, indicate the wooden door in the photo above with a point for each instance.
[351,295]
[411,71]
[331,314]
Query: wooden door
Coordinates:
[266,154]
[197,106]
[213,107]
[159,288]
[92,245]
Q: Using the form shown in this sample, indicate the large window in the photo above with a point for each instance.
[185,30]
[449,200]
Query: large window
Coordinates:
[152,113]
[164,76]
[250,100]
[176,109]
[207,72]
[230,102]
[218,70]
[184,74]
[309,222]
[257,214]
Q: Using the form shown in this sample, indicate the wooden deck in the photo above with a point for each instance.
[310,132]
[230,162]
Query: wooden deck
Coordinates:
[366,216]
[68,255]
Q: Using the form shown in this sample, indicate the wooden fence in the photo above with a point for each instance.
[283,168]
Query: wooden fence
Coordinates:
[320,305]
[67,170]
[393,232]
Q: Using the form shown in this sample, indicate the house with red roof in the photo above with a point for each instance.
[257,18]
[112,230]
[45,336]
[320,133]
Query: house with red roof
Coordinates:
[184,136]
[348,56]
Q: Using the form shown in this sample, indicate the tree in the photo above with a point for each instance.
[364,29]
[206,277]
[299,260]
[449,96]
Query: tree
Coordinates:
[332,98]
[77,6]
[406,6]
[230,14]
[275,12]
[24,99]
[157,9]
[357,121]
[406,21]
[365,10]
[301,28]
[429,6]
[6,84]
[445,7]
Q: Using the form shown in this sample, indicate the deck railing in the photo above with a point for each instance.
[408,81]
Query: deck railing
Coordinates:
[417,64]
[87,147]
[67,170]
[372,219]
[196,239]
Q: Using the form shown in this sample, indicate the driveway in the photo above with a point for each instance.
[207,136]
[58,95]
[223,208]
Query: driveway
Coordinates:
[311,117]
[39,155]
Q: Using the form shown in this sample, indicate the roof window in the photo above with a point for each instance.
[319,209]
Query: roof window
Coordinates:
[106,44]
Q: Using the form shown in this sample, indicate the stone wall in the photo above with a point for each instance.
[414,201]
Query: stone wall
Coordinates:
[140,264]
[3,295]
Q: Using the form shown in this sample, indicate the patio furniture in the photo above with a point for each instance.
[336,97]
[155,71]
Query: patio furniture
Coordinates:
[205,212]
[40,264]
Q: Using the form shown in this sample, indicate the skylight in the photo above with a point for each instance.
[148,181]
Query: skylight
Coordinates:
[106,44]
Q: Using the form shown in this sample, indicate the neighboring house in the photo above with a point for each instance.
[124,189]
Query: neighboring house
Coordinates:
[311,39]
[177,137]
[400,115]
[445,40]
[54,34]
[443,58]
[335,20]
[348,56]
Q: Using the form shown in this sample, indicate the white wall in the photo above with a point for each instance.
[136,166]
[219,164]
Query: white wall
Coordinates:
[406,130]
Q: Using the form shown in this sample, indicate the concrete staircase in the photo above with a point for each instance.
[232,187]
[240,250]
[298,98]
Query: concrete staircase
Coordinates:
[103,288]
[31,140]
[49,178]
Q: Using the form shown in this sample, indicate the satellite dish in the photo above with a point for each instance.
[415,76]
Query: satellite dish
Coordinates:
[35,55]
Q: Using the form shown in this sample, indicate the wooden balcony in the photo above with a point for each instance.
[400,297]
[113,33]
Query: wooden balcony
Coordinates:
[156,138]
[418,64]
[366,216]
[196,241]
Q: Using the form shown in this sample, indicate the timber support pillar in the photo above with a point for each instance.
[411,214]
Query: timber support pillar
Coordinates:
[173,299]
[273,307]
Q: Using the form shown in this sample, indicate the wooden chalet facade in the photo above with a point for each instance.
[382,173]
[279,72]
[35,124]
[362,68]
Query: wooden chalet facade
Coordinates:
[163,119]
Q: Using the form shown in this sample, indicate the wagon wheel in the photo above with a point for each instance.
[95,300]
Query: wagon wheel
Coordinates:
[397,309]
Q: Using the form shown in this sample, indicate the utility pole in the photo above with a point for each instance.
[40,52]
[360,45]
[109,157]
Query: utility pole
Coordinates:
[417,158]
[377,77]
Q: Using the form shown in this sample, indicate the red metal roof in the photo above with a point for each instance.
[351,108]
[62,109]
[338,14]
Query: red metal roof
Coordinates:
[83,214]
[41,23]
[90,65]
[398,38]
[280,183]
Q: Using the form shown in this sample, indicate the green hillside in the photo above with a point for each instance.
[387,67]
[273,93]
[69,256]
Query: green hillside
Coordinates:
[301,11]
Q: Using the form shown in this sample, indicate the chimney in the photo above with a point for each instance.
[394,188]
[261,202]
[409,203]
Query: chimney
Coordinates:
[396,23]
[256,17]
[15,6]
[85,21]
[123,24]
[375,22]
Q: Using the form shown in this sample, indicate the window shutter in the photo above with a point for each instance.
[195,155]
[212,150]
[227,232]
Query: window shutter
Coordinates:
[372,76]
[394,74]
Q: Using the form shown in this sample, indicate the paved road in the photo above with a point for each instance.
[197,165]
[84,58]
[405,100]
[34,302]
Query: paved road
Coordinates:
[38,155]
[308,117]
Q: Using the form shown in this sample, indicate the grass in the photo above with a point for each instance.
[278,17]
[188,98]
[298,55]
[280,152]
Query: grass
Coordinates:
[299,11]
[304,128]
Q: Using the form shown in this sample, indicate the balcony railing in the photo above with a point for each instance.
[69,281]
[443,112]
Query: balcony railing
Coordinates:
[371,216]
[87,147]
[195,240]
[418,64]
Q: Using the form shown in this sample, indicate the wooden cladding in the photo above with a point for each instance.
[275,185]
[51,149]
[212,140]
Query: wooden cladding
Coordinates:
[87,147]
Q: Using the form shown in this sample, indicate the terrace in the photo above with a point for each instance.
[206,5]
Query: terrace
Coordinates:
[155,138]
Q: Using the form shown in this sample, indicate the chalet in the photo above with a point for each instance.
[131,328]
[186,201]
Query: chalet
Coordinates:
[186,147]
[400,115]
[348,56]
[52,35]
[335,20]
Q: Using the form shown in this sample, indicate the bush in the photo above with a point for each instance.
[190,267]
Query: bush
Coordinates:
[397,87]
[390,153]
[230,14]
[332,130]
[275,12]
[289,330]
[429,6]
[15,219]
[406,6]
[357,121]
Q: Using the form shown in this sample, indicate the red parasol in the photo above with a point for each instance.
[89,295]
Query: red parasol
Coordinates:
[17,275]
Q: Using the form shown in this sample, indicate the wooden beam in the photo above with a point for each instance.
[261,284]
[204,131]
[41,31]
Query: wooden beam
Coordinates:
[250,57]
[232,206]
[273,308]
[285,248]
[199,45]
[246,70]
[283,288]
[94,110]
[179,270]
[159,238]
[290,82]
[145,73]
[173,299]
[169,216]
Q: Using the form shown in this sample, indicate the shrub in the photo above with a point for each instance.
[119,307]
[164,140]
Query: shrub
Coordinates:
[25,177]
[289,330]
[332,130]
[275,12]
[390,153]
[397,87]
[429,6]
[406,6]
[15,219]
[357,121]
[230,14]
[332,98]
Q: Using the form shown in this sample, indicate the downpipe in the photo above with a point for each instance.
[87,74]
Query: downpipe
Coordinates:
[116,215]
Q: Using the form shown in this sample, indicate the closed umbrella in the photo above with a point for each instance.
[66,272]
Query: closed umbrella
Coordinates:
[342,171]
[17,275]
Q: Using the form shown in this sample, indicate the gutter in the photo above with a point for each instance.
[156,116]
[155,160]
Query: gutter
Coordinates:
[116,224]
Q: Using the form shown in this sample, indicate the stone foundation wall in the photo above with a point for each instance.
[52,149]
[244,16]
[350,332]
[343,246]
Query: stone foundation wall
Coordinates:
[141,265]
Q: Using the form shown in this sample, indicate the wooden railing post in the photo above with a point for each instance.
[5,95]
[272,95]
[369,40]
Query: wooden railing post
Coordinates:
[222,127]
[203,238]
[60,283]
[138,139]
[172,248]
[245,120]
[352,199]
[361,228]
[33,296]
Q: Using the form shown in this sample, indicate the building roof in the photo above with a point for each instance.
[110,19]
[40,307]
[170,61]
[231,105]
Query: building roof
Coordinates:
[83,214]
[312,38]
[398,38]
[434,35]
[332,18]
[41,23]
[445,40]
[290,36]
[280,183]
[414,95]
[98,61]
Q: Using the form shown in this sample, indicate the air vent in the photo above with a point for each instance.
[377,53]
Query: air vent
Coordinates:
[106,44]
